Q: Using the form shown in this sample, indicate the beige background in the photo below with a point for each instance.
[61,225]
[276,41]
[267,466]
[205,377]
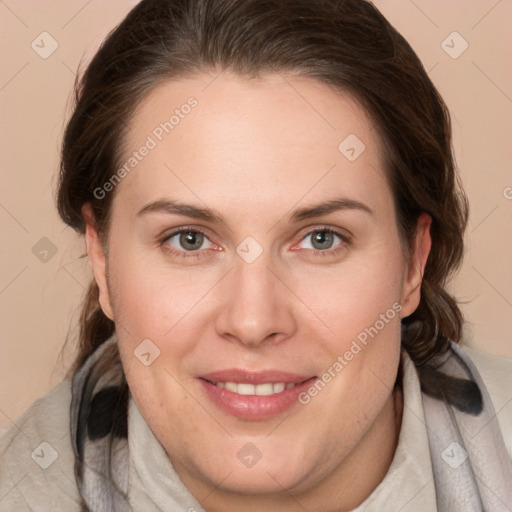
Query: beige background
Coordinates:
[40,300]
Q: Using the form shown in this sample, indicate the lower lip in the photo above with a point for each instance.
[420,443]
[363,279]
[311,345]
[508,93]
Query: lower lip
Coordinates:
[255,407]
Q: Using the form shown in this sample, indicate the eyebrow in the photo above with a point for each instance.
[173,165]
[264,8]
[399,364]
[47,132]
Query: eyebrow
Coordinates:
[207,214]
[174,207]
[330,206]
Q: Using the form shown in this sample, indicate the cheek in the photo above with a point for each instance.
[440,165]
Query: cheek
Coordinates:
[353,297]
[150,299]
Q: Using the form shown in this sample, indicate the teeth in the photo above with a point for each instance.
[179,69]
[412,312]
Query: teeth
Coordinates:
[280,386]
[242,388]
[245,389]
[231,386]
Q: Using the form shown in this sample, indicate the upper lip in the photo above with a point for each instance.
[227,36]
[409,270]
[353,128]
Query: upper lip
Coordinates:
[261,377]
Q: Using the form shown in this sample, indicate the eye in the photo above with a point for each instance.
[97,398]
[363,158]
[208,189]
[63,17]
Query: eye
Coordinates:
[323,240]
[188,240]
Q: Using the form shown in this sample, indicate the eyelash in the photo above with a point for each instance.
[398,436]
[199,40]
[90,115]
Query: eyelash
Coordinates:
[182,254]
[345,241]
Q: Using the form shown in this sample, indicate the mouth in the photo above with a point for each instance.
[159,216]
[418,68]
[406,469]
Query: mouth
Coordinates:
[254,396]
[265,389]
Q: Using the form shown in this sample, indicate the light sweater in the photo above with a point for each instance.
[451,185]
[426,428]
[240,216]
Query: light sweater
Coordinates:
[37,462]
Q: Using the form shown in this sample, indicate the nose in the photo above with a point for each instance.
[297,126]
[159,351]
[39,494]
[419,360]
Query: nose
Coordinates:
[257,308]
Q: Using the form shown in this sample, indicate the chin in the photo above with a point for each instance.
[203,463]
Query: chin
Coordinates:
[270,474]
[265,480]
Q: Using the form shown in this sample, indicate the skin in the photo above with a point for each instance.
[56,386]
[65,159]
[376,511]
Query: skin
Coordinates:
[255,151]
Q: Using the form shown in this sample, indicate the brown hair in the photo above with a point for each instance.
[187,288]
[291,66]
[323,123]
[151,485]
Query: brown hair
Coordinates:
[346,44]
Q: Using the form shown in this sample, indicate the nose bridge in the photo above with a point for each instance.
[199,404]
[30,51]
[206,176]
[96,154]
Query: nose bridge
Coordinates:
[255,304]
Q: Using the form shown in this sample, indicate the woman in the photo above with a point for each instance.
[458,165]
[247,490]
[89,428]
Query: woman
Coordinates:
[271,211]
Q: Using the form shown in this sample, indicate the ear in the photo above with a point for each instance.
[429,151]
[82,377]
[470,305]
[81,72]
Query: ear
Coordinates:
[97,258]
[419,251]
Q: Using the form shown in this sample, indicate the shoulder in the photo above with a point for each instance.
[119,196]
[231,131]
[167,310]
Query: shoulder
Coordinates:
[496,373]
[37,470]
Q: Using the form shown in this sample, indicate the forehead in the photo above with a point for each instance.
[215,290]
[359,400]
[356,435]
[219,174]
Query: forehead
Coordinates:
[270,139]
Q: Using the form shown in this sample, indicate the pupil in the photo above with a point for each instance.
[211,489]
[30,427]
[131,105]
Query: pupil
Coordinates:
[191,240]
[323,238]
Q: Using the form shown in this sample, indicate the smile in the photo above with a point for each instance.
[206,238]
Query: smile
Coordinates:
[266,389]
[254,396]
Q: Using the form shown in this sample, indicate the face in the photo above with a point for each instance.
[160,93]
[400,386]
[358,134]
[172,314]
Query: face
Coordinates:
[255,248]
